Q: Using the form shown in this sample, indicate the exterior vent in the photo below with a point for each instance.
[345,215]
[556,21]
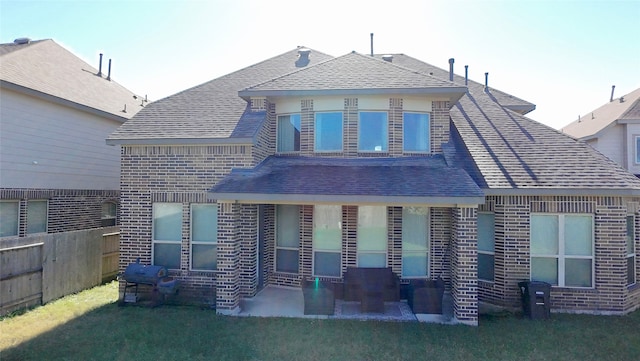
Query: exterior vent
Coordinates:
[303,57]
[388,58]
[22,41]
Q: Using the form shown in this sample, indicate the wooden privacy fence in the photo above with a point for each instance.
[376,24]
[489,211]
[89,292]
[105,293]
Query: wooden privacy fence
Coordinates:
[38,269]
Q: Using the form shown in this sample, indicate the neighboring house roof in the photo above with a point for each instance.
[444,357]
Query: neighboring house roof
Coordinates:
[45,69]
[355,74]
[625,108]
[207,112]
[514,154]
[506,100]
[403,180]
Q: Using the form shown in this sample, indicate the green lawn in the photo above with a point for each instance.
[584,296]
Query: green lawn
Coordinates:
[90,326]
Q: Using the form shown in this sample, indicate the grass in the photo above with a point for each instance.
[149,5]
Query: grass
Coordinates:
[90,326]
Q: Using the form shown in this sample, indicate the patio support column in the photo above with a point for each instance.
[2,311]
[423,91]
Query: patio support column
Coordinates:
[228,274]
[464,265]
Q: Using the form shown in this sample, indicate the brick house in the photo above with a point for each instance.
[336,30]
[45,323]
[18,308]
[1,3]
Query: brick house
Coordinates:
[304,164]
[56,172]
[613,129]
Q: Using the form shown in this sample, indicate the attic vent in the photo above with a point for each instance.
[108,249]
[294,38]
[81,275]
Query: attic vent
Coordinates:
[21,41]
[303,57]
[388,58]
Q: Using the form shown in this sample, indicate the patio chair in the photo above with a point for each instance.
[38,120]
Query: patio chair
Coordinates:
[425,296]
[318,297]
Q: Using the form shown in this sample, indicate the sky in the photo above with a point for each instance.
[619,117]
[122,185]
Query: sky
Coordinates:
[564,56]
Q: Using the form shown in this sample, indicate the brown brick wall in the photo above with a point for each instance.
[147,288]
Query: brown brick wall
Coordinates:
[464,260]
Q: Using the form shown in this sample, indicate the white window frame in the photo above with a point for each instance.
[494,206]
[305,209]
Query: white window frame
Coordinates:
[315,133]
[561,257]
[489,253]
[18,218]
[320,250]
[155,241]
[632,255]
[278,133]
[46,216]
[635,151]
[278,247]
[386,140]
[427,253]
[404,149]
[360,251]
[204,243]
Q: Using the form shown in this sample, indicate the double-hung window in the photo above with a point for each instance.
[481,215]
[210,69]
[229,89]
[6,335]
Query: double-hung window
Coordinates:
[108,216]
[631,250]
[328,132]
[287,238]
[416,134]
[289,133]
[204,236]
[327,240]
[373,132]
[486,245]
[37,216]
[415,242]
[637,150]
[372,236]
[167,234]
[9,218]
[562,249]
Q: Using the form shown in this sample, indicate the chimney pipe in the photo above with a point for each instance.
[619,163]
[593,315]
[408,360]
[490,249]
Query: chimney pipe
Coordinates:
[486,81]
[100,66]
[109,74]
[451,60]
[466,75]
[371,44]
[613,87]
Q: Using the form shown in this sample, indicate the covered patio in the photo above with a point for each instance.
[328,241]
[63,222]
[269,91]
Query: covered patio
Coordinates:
[279,301]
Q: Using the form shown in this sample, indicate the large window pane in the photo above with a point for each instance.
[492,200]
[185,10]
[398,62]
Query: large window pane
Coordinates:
[9,218]
[544,269]
[327,232]
[485,266]
[288,226]
[372,260]
[416,132]
[372,228]
[637,149]
[578,235]
[287,261]
[167,221]
[204,222]
[328,132]
[373,132]
[544,234]
[631,270]
[167,254]
[630,234]
[415,265]
[204,256]
[36,217]
[486,232]
[326,264]
[289,133]
[577,272]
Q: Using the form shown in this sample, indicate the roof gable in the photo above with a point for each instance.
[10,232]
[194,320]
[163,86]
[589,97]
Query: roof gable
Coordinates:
[354,74]
[589,125]
[44,68]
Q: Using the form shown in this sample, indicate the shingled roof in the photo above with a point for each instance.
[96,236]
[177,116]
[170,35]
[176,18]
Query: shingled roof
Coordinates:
[626,107]
[506,152]
[45,69]
[208,112]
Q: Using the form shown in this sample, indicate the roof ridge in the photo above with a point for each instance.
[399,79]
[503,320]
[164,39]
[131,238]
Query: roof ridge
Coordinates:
[22,47]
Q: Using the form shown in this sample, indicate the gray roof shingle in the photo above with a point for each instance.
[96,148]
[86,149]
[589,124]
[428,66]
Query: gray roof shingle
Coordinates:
[404,180]
[207,111]
[44,67]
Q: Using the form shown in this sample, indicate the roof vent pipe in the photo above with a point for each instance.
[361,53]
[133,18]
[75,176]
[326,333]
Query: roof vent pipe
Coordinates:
[486,81]
[466,75]
[371,44]
[109,72]
[100,66]
[388,58]
[451,69]
[613,87]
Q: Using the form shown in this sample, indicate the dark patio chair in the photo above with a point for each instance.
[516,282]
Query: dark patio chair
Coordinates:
[425,296]
[318,297]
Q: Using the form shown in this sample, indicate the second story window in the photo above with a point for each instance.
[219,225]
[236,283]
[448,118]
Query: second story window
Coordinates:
[289,133]
[416,132]
[373,132]
[328,132]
